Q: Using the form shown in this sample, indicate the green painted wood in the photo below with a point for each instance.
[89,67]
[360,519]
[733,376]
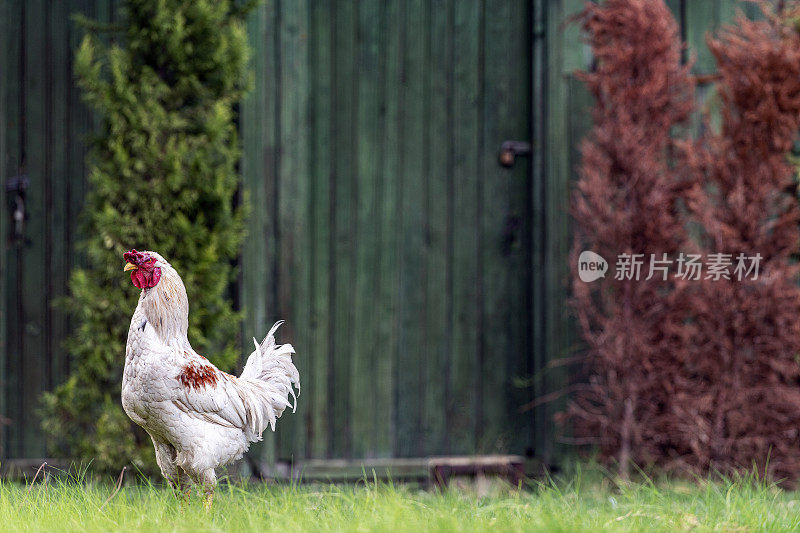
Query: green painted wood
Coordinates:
[555,225]
[370,125]
[463,401]
[700,17]
[7,124]
[578,102]
[675,6]
[259,175]
[79,125]
[703,19]
[505,346]
[398,114]
[386,366]
[343,219]
[751,10]
[412,313]
[501,105]
[438,222]
[579,119]
[57,205]
[293,208]
[576,54]
[320,258]
[13,167]
[32,290]
[45,128]
[101,11]
[729,9]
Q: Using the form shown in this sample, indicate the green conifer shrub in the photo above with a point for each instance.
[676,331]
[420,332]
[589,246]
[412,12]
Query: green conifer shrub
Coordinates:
[163,177]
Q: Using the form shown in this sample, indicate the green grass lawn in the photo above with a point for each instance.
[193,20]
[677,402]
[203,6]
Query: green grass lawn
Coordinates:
[575,505]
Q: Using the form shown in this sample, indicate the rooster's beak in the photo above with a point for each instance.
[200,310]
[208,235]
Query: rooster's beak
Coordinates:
[129,266]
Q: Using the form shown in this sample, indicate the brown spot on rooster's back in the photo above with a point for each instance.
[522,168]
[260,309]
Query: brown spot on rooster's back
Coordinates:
[196,376]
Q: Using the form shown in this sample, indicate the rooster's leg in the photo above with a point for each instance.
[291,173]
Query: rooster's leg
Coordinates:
[183,488]
[209,482]
[178,479]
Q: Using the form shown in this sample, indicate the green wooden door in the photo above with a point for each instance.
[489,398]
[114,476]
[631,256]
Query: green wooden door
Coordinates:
[383,228]
[425,286]
[43,128]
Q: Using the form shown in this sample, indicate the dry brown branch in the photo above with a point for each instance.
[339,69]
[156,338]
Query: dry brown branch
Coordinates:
[41,467]
[119,484]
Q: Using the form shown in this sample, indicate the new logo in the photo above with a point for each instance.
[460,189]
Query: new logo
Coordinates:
[591,266]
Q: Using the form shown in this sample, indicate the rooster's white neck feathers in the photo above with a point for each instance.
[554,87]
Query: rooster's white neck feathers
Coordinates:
[166,306]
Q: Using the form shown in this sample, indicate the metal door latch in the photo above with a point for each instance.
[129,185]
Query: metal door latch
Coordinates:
[16,187]
[509,151]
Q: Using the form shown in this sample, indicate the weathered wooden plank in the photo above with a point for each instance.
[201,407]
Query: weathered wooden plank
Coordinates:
[79,124]
[293,209]
[556,225]
[413,469]
[463,403]
[700,19]
[412,312]
[15,98]
[33,293]
[3,151]
[101,11]
[728,9]
[357,470]
[388,295]
[498,110]
[59,178]
[677,9]
[579,119]
[562,337]
[578,110]
[438,221]
[578,53]
[7,122]
[320,348]
[516,237]
[369,129]
[343,220]
[703,19]
[505,256]
[751,9]
[259,167]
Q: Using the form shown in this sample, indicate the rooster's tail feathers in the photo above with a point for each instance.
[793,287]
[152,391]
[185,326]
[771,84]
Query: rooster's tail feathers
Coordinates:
[267,383]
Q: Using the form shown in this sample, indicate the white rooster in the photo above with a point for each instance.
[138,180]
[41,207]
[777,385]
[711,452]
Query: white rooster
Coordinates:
[199,417]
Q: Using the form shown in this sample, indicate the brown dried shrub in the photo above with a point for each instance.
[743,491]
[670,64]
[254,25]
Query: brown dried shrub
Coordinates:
[690,375]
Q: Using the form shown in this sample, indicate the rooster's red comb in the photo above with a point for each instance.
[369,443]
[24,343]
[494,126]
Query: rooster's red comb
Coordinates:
[137,258]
